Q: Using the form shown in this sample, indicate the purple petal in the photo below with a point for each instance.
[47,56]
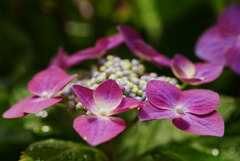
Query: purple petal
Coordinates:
[96,130]
[234,58]
[208,72]
[61,59]
[107,95]
[199,101]
[126,104]
[49,81]
[150,112]
[36,104]
[162,94]
[229,20]
[214,45]
[182,67]
[110,42]
[85,96]
[211,124]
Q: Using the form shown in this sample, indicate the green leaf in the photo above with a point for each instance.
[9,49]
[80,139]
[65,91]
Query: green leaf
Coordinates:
[52,150]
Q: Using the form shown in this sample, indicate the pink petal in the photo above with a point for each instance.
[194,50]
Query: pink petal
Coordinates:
[199,101]
[36,104]
[96,130]
[208,72]
[182,67]
[150,112]
[126,104]
[229,19]
[85,96]
[234,57]
[162,94]
[213,46]
[211,124]
[107,95]
[50,80]
[110,42]
[61,59]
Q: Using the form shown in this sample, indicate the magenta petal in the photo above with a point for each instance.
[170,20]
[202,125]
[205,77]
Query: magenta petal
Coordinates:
[85,96]
[199,101]
[229,20]
[162,94]
[17,110]
[126,104]
[211,124]
[110,42]
[107,95]
[208,72]
[50,80]
[61,59]
[214,45]
[182,67]
[96,130]
[150,112]
[36,104]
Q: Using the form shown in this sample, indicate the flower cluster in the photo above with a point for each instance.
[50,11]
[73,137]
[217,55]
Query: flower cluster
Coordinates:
[119,85]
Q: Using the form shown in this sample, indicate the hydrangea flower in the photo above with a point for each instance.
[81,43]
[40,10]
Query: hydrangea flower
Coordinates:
[44,86]
[137,45]
[63,60]
[192,111]
[103,102]
[221,42]
[194,74]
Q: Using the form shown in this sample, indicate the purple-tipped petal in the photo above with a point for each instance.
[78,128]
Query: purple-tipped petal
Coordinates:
[107,95]
[229,20]
[126,104]
[214,45]
[199,101]
[96,130]
[110,42]
[150,112]
[162,94]
[85,96]
[61,59]
[49,81]
[208,72]
[182,67]
[211,124]
[36,104]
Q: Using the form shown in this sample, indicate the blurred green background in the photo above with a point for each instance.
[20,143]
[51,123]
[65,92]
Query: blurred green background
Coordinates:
[32,30]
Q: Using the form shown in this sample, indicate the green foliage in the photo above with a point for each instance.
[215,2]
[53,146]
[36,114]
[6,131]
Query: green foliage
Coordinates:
[52,150]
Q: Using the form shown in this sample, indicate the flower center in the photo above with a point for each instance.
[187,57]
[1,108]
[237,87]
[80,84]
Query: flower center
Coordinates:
[103,113]
[45,95]
[179,109]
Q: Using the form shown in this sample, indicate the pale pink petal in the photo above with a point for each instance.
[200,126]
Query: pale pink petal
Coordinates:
[96,130]
[214,45]
[150,112]
[49,81]
[199,101]
[126,104]
[162,94]
[36,104]
[85,96]
[211,124]
[108,95]
[182,67]
[61,59]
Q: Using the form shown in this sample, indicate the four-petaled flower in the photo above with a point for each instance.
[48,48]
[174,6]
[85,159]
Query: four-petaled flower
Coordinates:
[137,45]
[194,74]
[44,86]
[103,102]
[63,60]
[191,110]
[221,42]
